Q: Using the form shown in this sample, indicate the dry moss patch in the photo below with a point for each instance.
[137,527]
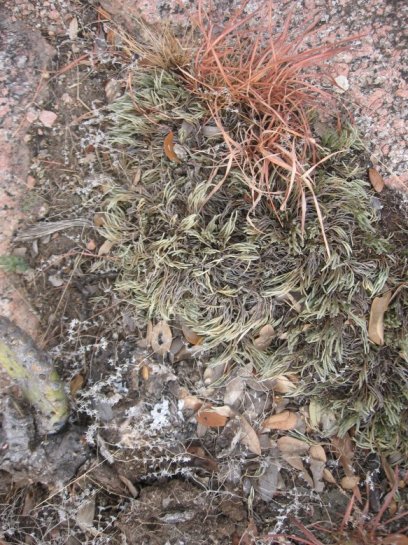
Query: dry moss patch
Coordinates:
[226,268]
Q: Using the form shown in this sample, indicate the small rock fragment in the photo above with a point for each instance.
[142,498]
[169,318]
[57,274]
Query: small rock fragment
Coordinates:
[47,118]
[342,83]
[31,181]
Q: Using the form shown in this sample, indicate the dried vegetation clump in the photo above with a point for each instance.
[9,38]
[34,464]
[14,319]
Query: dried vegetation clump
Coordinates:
[230,214]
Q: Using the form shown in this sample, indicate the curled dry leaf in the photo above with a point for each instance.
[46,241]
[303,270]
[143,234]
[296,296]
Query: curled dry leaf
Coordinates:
[376,323]
[161,338]
[328,476]
[317,468]
[376,180]
[76,384]
[268,481]
[265,337]
[210,131]
[290,445]
[294,460]
[213,373]
[213,417]
[317,452]
[344,450]
[192,403]
[315,414]
[249,437]
[283,385]
[349,482]
[146,342]
[130,486]
[168,146]
[285,420]
[105,248]
[86,514]
[73,29]
[234,391]
[99,219]
[190,336]
[145,372]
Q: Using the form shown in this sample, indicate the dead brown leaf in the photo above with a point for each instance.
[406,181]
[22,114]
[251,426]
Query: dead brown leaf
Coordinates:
[202,459]
[161,338]
[73,29]
[328,476]
[85,514]
[349,482]
[168,146]
[376,323]
[317,469]
[285,420]
[249,437]
[376,180]
[283,385]
[105,248]
[192,403]
[317,452]
[190,336]
[76,384]
[389,472]
[234,391]
[343,447]
[265,337]
[145,372]
[294,460]
[290,445]
[212,417]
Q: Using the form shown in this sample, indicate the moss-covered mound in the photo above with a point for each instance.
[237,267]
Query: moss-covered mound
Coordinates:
[227,268]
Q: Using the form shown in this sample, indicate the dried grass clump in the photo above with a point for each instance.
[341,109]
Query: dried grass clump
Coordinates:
[269,79]
[226,269]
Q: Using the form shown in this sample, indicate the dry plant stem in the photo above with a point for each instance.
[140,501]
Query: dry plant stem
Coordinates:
[387,501]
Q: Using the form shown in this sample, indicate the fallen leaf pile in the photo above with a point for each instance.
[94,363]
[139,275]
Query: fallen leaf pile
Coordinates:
[255,413]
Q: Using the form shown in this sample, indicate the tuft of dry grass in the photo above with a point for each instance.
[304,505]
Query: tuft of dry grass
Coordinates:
[271,81]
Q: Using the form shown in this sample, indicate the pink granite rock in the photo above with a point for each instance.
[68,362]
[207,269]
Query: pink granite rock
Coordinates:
[25,54]
[47,118]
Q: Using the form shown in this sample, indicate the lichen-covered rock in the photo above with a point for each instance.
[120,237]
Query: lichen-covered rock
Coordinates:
[25,458]
[35,374]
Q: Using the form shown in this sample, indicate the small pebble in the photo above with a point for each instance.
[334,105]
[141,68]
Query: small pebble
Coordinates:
[31,181]
[47,118]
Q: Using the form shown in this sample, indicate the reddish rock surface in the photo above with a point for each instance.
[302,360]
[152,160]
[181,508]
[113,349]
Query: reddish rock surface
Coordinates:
[23,58]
